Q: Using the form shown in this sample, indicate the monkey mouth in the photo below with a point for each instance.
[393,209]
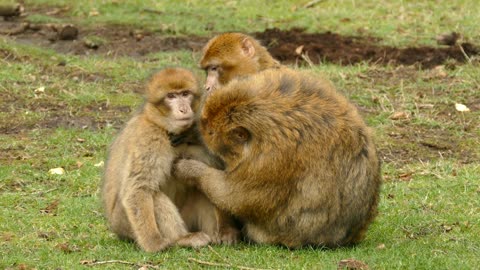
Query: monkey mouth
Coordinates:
[184,119]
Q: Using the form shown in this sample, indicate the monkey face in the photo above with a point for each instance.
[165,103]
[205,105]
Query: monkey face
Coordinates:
[172,98]
[227,56]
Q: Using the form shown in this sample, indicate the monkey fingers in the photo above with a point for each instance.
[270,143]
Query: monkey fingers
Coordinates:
[229,236]
[189,169]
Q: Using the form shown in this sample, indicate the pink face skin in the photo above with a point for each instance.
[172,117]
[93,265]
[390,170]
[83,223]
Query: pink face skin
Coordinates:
[180,105]
[212,79]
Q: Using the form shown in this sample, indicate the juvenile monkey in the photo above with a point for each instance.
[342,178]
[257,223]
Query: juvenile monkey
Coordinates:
[301,165]
[142,200]
[231,55]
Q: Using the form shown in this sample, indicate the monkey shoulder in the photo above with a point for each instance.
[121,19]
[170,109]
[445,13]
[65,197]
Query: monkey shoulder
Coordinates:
[145,153]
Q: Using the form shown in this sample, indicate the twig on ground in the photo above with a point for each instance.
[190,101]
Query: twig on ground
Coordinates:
[226,265]
[218,255]
[464,53]
[149,10]
[16,30]
[307,59]
[312,3]
[94,263]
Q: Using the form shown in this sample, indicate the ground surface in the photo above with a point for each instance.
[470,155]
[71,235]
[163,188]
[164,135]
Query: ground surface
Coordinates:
[62,101]
[291,47]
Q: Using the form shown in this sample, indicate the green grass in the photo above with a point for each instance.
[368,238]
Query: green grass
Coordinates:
[429,209]
[403,22]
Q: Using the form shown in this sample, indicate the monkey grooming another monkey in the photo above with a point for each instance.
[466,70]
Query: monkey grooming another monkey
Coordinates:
[301,165]
[142,200]
[231,55]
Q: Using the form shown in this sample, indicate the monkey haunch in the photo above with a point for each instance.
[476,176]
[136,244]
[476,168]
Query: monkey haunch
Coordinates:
[142,201]
[301,166]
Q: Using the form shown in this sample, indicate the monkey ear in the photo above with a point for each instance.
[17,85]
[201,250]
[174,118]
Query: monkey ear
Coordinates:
[247,47]
[240,135]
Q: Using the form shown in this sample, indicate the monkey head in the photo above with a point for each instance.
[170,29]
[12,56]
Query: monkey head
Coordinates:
[243,121]
[172,98]
[230,55]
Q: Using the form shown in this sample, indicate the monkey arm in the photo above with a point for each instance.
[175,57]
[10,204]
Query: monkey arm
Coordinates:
[209,180]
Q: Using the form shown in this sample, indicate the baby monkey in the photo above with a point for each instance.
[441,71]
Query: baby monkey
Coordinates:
[142,200]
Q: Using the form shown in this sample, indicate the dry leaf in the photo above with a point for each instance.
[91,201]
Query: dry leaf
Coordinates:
[67,248]
[352,264]
[299,50]
[425,106]
[100,164]
[87,262]
[381,246]
[93,12]
[7,236]
[405,176]
[461,108]
[59,170]
[51,207]
[399,116]
[40,90]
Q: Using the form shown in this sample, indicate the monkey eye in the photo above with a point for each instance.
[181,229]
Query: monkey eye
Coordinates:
[213,68]
[185,93]
[171,95]
[240,135]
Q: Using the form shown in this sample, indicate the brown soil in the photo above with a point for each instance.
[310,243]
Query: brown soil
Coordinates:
[347,50]
[287,46]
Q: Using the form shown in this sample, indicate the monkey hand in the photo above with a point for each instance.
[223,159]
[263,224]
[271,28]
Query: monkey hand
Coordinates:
[189,170]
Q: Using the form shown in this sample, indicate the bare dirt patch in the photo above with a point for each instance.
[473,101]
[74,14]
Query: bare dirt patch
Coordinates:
[286,45]
[54,113]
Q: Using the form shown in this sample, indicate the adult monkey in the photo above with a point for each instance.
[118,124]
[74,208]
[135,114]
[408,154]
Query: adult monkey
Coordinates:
[231,55]
[301,165]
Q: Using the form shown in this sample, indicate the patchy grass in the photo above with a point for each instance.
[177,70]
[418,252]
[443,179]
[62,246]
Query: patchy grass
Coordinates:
[403,22]
[62,110]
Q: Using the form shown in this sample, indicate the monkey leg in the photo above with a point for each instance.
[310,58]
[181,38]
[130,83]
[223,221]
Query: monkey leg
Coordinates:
[200,215]
[176,225]
[119,223]
[154,219]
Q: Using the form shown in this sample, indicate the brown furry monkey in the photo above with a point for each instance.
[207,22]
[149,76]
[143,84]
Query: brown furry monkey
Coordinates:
[142,200]
[301,165]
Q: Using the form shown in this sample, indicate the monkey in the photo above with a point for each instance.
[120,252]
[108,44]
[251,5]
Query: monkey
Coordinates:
[142,201]
[301,167]
[230,55]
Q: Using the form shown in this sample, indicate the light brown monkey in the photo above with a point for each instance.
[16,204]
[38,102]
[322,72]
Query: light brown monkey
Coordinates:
[301,166]
[142,201]
[231,55]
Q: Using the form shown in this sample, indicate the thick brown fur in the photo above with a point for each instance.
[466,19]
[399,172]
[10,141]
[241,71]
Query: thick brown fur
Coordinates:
[142,200]
[234,55]
[301,165]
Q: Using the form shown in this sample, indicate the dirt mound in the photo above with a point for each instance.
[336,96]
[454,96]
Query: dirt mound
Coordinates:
[289,46]
[346,50]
